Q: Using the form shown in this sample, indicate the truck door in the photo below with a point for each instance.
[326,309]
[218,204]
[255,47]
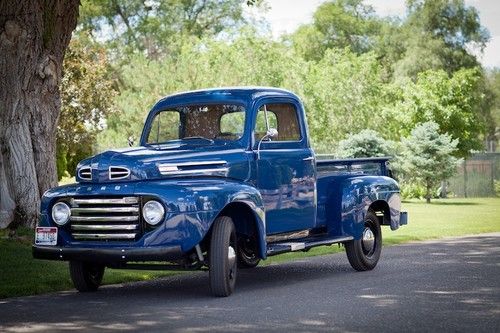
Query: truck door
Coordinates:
[285,167]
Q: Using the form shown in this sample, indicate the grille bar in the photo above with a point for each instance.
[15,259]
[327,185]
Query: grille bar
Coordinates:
[105,210]
[104,218]
[107,201]
[113,227]
[104,236]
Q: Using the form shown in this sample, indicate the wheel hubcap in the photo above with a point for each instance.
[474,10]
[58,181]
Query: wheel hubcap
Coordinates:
[368,240]
[231,258]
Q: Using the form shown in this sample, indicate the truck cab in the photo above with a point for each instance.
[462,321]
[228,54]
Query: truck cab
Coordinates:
[221,179]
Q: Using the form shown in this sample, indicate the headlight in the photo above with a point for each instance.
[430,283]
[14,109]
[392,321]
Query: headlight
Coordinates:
[61,213]
[153,212]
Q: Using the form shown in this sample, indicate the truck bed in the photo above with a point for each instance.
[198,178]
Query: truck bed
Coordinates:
[331,173]
[373,166]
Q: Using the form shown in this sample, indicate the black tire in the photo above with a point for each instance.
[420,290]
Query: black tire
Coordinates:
[222,257]
[86,276]
[361,255]
[247,254]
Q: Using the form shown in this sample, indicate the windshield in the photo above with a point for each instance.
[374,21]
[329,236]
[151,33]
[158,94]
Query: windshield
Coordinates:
[204,122]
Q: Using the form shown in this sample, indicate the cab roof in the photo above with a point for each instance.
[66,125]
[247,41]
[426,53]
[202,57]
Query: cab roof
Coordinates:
[229,94]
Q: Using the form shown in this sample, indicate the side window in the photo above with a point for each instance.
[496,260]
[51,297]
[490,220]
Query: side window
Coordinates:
[232,125]
[283,117]
[260,125]
[165,127]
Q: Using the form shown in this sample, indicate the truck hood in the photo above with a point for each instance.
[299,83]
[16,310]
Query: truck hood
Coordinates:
[143,163]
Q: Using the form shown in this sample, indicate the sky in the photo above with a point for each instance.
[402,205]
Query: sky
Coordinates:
[285,16]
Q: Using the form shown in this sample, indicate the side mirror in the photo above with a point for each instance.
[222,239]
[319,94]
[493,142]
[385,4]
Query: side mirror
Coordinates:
[131,141]
[272,133]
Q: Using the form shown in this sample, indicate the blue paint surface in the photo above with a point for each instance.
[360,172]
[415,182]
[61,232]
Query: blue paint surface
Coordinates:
[286,188]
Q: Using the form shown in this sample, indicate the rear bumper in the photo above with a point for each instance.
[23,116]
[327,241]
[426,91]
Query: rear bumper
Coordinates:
[107,255]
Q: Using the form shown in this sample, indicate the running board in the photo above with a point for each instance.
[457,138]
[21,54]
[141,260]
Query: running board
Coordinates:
[283,247]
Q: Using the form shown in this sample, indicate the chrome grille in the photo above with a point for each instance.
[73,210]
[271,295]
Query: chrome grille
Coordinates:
[105,218]
[85,173]
[118,173]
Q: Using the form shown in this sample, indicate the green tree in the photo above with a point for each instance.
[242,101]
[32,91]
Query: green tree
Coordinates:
[158,27]
[439,34]
[427,156]
[338,24]
[452,102]
[87,93]
[343,94]
[491,113]
[367,143]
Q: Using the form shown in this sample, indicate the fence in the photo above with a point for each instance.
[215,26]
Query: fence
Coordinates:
[476,176]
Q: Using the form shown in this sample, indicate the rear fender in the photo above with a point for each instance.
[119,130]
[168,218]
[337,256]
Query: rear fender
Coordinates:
[355,197]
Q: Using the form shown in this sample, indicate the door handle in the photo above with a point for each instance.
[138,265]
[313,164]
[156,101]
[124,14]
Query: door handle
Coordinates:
[310,158]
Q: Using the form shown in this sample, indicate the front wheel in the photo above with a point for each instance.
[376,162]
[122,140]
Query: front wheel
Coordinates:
[86,276]
[364,253]
[222,257]
[247,256]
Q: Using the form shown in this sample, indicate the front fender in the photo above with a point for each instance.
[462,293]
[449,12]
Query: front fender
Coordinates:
[215,198]
[192,205]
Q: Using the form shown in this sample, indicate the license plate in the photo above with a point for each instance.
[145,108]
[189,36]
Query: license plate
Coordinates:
[46,236]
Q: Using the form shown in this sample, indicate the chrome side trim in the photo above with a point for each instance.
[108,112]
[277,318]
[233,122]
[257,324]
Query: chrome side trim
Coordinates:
[104,218]
[105,210]
[104,236]
[196,163]
[173,168]
[195,171]
[104,227]
[85,173]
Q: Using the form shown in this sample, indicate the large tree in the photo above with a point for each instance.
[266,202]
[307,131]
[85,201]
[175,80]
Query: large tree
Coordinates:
[157,27]
[440,34]
[338,24]
[34,35]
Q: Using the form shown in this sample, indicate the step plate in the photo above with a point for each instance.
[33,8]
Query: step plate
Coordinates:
[282,247]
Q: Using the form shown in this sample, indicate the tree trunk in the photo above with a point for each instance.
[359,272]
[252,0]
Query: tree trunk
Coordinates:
[33,38]
[428,191]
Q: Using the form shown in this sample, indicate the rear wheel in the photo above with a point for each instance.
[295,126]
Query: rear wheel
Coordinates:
[86,276]
[222,256]
[364,253]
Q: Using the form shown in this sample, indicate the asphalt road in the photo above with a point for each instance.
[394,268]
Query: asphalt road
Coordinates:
[446,285]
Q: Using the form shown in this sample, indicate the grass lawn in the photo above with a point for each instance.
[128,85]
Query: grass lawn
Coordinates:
[21,275]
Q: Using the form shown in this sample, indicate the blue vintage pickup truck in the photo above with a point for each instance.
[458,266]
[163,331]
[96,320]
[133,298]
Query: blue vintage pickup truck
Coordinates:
[222,179]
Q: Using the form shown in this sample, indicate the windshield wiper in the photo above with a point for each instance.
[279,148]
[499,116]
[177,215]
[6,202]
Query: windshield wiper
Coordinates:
[198,138]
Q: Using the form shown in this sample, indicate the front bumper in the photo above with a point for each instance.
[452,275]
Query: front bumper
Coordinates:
[107,255]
